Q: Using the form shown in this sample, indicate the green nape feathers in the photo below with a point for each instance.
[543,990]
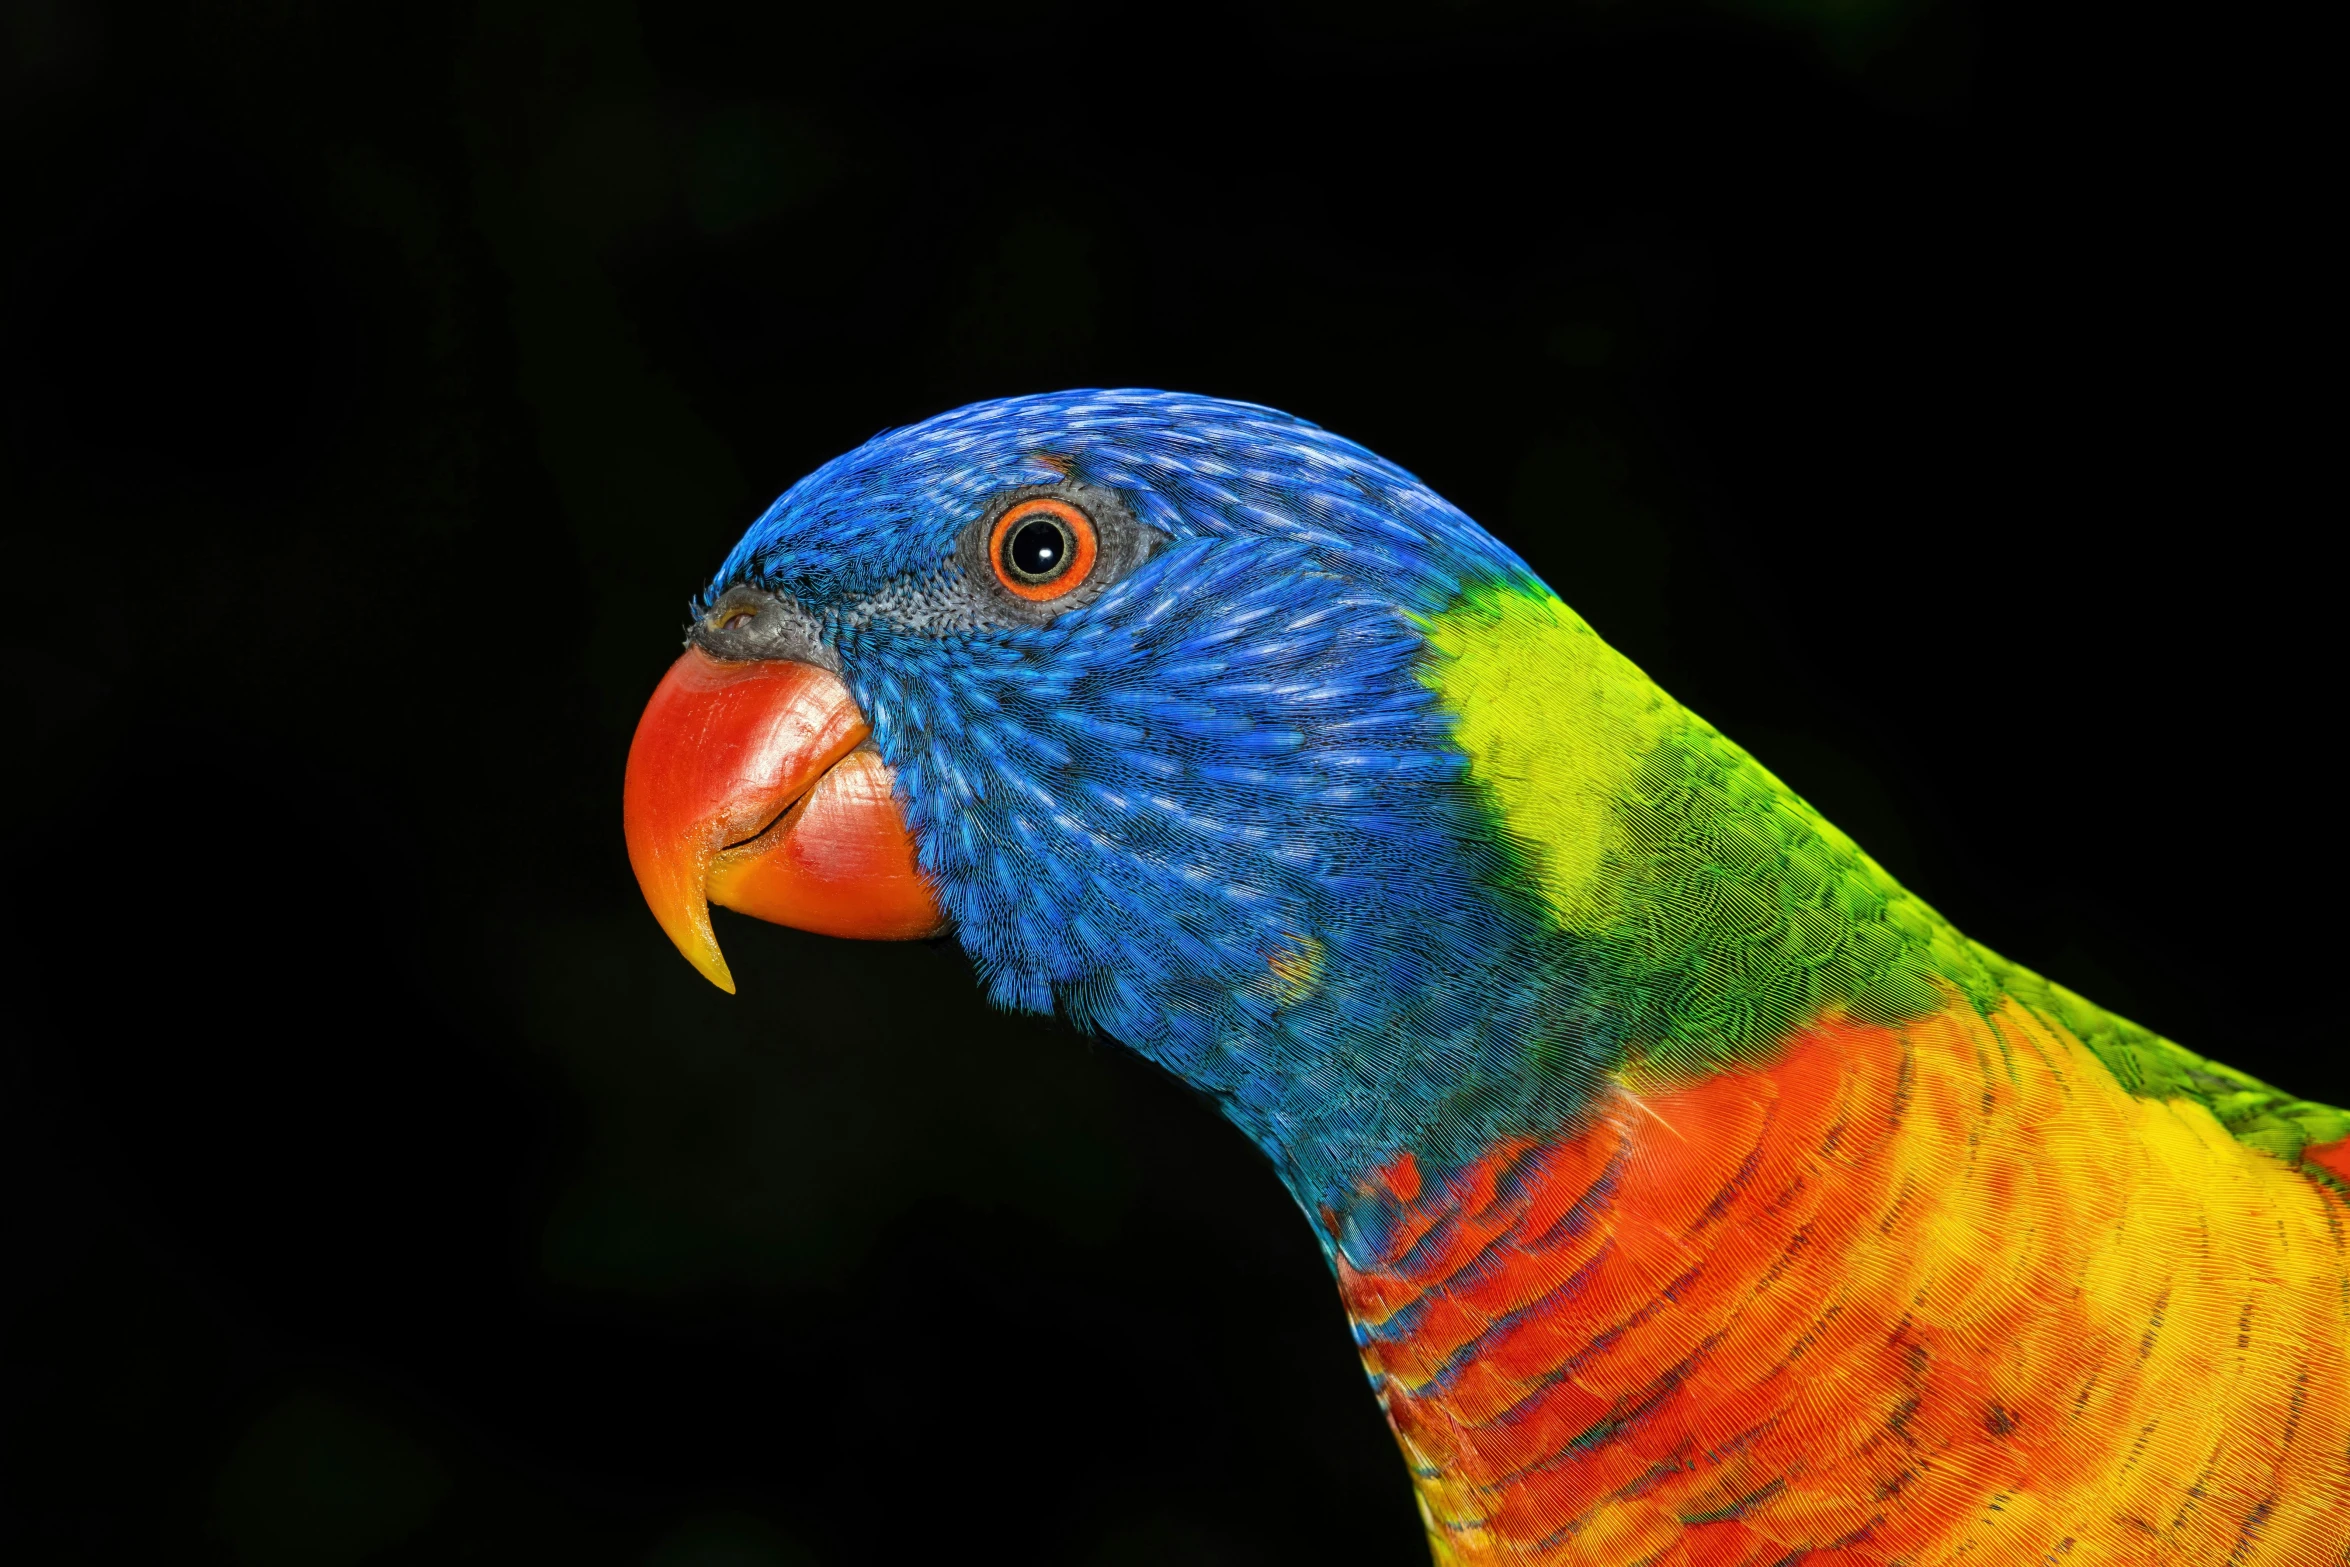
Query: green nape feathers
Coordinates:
[1717,908]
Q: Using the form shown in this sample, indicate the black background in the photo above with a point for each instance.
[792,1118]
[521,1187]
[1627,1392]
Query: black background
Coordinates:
[1918,390]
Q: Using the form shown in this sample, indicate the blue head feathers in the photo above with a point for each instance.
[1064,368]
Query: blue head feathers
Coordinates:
[1211,809]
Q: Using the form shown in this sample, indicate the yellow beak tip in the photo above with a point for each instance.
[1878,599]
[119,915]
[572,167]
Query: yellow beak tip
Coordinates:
[684,917]
[708,961]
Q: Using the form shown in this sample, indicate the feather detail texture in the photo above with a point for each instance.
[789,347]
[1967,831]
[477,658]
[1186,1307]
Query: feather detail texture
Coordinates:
[1930,1292]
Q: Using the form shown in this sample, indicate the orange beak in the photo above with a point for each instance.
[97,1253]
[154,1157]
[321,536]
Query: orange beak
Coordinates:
[751,786]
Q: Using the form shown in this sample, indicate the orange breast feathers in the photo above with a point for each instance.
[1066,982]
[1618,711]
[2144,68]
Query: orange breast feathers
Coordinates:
[1935,1293]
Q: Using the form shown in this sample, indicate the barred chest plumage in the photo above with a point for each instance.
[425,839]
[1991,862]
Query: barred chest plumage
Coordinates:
[1930,1293]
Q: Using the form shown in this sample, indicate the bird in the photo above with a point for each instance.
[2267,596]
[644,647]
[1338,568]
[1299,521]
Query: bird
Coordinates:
[1696,1193]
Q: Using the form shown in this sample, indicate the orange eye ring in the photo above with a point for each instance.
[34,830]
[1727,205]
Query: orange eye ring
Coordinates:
[1074,560]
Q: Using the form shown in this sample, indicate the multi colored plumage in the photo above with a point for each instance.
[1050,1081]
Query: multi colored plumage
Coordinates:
[1697,1193]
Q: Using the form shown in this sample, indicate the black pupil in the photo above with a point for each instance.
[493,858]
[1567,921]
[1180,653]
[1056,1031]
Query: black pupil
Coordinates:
[1038,548]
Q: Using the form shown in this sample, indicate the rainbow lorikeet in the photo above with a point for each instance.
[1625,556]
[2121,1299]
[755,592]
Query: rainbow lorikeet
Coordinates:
[1698,1195]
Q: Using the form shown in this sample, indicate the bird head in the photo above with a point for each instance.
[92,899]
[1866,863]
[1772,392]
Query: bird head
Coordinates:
[1141,697]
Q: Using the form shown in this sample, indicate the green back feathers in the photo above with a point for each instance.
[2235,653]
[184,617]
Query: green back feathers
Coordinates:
[1714,908]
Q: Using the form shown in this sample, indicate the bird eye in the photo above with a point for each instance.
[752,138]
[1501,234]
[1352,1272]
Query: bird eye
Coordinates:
[739,619]
[1042,548]
[1039,547]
